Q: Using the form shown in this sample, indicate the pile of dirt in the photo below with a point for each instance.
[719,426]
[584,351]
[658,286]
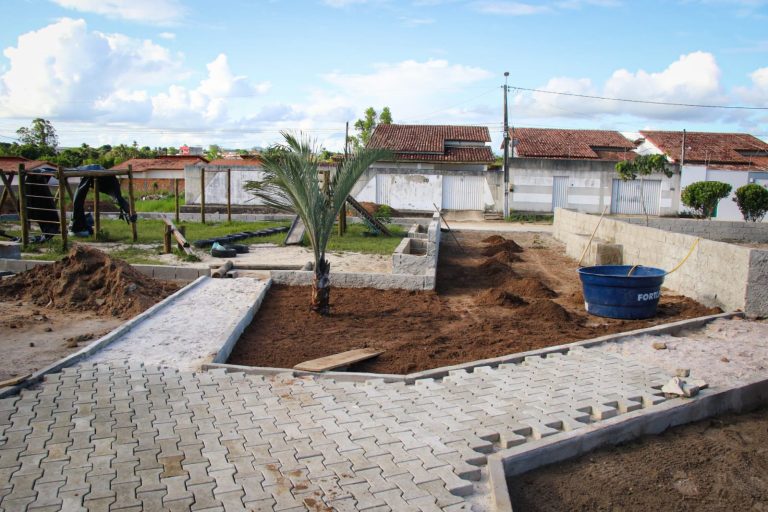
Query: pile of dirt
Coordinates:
[372,208]
[546,309]
[496,297]
[502,246]
[496,268]
[506,257]
[87,280]
[531,288]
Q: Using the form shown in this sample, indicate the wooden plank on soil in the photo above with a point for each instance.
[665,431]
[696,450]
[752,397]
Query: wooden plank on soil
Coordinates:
[338,360]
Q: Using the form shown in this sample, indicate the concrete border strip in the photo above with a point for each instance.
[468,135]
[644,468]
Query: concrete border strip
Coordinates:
[437,373]
[102,342]
[223,353]
[164,272]
[567,445]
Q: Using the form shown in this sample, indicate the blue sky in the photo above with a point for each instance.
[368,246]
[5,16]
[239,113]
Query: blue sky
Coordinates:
[235,73]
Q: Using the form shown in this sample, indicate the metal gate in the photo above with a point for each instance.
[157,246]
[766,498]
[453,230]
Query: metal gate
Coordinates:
[463,192]
[628,196]
[560,192]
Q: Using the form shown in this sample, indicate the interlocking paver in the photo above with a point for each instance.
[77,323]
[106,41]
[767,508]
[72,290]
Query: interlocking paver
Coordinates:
[124,436]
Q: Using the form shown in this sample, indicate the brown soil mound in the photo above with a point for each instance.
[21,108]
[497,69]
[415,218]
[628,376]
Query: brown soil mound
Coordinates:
[547,310]
[505,246]
[506,257]
[88,280]
[495,297]
[530,288]
[494,267]
[494,239]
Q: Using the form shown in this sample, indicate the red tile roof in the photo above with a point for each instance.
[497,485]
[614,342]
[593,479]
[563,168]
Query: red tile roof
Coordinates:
[572,144]
[427,143]
[725,150]
[161,163]
[11,163]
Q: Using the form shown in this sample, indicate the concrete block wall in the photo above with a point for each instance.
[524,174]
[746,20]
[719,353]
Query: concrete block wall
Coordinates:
[729,276]
[409,272]
[723,231]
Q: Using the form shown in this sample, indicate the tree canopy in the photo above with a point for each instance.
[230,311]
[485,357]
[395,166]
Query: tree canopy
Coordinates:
[367,125]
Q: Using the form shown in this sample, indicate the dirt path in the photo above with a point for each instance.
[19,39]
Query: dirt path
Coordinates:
[34,337]
[712,465]
[485,306]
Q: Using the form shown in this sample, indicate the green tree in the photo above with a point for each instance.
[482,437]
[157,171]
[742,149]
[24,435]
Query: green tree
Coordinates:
[214,152]
[41,134]
[702,197]
[641,166]
[291,184]
[752,201]
[367,125]
[171,151]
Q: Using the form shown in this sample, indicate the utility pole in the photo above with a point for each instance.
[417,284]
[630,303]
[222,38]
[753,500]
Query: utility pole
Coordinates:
[682,153]
[506,148]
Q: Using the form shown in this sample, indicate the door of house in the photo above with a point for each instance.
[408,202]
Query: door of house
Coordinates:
[628,197]
[463,192]
[560,192]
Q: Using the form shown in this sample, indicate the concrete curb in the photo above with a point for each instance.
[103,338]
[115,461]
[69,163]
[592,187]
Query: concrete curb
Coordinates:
[165,272]
[223,353]
[567,445]
[437,373]
[101,342]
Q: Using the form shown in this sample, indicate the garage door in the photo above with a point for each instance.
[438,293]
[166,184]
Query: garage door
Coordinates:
[628,197]
[463,192]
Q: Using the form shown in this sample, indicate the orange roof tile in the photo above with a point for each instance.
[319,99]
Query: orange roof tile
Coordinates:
[726,150]
[431,143]
[161,163]
[572,144]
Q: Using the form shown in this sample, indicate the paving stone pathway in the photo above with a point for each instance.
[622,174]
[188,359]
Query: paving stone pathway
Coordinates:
[193,327]
[128,436]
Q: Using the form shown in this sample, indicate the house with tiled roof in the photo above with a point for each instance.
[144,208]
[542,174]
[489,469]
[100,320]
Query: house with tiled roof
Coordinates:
[571,168]
[153,175]
[734,158]
[432,165]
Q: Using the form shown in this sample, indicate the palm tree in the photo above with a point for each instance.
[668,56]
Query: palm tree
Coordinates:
[291,184]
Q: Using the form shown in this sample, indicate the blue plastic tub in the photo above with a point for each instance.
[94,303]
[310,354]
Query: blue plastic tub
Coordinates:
[610,292]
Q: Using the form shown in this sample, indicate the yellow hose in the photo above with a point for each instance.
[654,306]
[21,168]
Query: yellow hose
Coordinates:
[695,243]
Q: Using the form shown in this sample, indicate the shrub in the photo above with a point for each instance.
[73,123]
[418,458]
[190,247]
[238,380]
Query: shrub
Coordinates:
[383,214]
[752,201]
[702,197]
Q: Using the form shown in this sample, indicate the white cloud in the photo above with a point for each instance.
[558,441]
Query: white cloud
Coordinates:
[66,73]
[757,93]
[147,11]
[167,35]
[692,79]
[61,69]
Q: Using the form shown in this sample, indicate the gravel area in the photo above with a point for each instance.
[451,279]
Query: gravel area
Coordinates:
[186,332]
[724,353]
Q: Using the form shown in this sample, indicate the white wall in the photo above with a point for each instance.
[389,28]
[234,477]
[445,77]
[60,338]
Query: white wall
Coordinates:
[726,208]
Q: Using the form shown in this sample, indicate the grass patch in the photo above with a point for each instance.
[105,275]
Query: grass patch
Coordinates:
[164,205]
[538,218]
[151,230]
[354,240]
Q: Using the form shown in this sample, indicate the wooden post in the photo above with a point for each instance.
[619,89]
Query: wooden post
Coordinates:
[132,204]
[62,207]
[23,206]
[202,195]
[7,191]
[229,195]
[183,231]
[176,192]
[167,239]
[96,209]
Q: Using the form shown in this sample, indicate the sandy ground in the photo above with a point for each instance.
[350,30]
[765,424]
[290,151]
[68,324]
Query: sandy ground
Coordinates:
[723,353]
[187,332]
[271,254]
[34,337]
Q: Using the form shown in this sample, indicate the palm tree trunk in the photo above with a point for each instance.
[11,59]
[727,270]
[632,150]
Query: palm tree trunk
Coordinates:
[321,288]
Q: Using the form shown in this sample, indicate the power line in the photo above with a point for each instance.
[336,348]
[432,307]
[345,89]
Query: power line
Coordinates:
[645,102]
